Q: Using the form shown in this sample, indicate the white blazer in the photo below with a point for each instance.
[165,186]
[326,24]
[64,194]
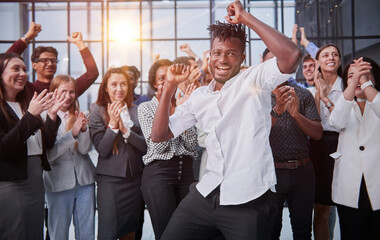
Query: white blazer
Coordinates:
[68,164]
[358,152]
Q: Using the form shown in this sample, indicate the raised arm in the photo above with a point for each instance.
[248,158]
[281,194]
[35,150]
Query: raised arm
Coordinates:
[287,53]
[177,73]
[20,45]
[92,73]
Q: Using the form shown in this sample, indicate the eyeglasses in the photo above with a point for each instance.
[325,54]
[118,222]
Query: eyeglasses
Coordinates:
[47,60]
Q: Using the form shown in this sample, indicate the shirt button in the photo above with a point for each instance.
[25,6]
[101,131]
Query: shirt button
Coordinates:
[180,162]
[361,148]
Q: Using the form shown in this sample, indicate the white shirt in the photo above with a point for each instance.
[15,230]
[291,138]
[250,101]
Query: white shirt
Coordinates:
[358,152]
[334,95]
[34,142]
[237,122]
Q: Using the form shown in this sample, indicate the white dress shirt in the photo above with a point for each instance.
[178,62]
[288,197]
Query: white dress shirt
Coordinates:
[237,122]
[358,152]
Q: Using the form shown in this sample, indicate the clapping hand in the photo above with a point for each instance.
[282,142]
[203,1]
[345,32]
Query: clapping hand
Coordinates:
[114,110]
[56,104]
[40,102]
[79,124]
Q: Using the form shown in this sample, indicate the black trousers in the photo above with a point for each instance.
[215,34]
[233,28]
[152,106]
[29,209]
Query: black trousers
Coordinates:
[296,186]
[164,184]
[361,223]
[198,218]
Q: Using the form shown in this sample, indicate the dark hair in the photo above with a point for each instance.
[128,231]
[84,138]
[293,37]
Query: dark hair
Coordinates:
[225,31]
[339,70]
[307,58]
[41,49]
[133,69]
[375,72]
[153,69]
[183,60]
[266,51]
[21,96]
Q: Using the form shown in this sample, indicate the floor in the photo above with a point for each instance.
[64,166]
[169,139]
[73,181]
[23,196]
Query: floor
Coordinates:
[286,233]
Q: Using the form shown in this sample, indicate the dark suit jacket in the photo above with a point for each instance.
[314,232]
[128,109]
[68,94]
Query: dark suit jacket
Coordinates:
[13,146]
[129,157]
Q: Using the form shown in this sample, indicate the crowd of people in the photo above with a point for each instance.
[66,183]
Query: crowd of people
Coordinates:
[262,139]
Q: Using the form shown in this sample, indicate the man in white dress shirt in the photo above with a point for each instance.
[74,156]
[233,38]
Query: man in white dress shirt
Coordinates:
[233,197]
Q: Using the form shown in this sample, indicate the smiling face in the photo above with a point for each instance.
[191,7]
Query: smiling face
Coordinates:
[225,59]
[308,68]
[329,60]
[117,87]
[14,78]
[68,89]
[46,70]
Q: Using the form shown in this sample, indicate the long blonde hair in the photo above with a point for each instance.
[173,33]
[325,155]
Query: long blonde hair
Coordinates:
[57,81]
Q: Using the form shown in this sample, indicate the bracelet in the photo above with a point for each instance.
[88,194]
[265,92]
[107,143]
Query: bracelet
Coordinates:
[329,105]
[366,84]
[112,127]
[275,114]
[26,39]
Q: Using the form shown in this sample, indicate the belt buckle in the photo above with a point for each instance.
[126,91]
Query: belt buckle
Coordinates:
[293,161]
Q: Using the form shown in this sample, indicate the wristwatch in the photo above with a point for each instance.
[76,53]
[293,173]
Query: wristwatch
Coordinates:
[275,114]
[26,39]
[329,105]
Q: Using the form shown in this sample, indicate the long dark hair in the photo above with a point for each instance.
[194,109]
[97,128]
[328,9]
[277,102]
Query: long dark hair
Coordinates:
[339,70]
[21,96]
[375,72]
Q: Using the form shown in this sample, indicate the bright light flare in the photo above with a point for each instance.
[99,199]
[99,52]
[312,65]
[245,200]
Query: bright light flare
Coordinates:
[124,32]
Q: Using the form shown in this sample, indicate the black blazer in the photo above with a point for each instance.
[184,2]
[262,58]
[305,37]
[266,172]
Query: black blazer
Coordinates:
[13,147]
[129,157]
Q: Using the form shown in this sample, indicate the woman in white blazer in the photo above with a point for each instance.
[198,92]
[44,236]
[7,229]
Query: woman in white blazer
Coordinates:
[70,188]
[356,182]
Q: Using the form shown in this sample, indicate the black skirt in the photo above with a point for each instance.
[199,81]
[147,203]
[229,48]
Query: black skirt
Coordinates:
[119,205]
[323,166]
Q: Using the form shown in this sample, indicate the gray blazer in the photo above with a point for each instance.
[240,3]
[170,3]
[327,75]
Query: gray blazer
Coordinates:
[129,157]
[68,163]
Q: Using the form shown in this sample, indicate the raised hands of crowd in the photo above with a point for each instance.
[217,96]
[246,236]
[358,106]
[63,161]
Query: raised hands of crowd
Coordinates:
[185,47]
[189,90]
[294,34]
[205,60]
[235,13]
[195,75]
[77,39]
[33,31]
[80,124]
[304,42]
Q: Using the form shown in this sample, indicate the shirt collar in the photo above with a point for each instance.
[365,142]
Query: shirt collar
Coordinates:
[226,85]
